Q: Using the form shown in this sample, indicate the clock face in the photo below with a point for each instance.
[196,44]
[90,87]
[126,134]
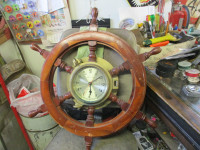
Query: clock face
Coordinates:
[89,84]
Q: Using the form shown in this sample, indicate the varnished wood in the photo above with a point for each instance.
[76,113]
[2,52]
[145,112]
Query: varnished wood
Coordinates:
[121,68]
[94,14]
[135,101]
[124,105]
[90,117]
[175,112]
[185,112]
[63,65]
[92,48]
[88,142]
[141,116]
[37,41]
[42,52]
[41,109]
[57,100]
[145,56]
[93,23]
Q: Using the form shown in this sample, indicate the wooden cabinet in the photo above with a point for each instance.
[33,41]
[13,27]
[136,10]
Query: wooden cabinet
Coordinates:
[164,97]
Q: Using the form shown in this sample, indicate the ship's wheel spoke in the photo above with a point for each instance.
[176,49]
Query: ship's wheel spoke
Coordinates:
[124,105]
[43,108]
[59,99]
[63,66]
[89,123]
[92,48]
[121,68]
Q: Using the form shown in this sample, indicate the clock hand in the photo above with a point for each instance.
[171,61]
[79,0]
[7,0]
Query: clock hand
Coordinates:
[90,84]
[96,79]
[90,91]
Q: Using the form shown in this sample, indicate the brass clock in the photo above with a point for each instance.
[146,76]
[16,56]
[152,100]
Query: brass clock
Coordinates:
[89,83]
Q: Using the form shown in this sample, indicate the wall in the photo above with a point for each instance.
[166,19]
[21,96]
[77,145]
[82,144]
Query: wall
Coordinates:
[79,10]
[33,59]
[107,9]
[8,51]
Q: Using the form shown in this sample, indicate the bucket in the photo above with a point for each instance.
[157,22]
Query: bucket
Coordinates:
[41,130]
[38,123]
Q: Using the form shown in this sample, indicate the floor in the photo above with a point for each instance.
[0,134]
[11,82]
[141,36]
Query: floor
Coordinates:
[65,140]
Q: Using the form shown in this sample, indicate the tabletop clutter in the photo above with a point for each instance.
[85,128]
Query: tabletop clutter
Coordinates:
[157,30]
[183,70]
[160,26]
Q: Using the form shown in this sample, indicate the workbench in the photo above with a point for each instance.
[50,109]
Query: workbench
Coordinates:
[180,113]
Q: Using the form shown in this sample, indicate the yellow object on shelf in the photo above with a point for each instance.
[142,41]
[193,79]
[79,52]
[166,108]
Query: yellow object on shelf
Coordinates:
[167,37]
[140,25]
[164,133]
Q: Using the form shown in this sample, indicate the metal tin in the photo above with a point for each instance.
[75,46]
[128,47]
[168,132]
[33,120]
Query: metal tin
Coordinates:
[38,123]
[192,73]
[193,79]
[41,130]
[184,65]
[41,140]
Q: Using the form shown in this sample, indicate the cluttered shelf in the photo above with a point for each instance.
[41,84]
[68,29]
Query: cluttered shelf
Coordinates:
[172,103]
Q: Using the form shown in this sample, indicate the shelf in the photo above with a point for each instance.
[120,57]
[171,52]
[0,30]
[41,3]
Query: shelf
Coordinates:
[171,142]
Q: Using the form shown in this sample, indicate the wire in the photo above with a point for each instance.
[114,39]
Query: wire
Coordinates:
[188,15]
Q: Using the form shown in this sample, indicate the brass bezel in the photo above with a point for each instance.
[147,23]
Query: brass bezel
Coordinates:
[82,102]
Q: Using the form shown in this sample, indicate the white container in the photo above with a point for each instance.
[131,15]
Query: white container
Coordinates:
[41,139]
[38,123]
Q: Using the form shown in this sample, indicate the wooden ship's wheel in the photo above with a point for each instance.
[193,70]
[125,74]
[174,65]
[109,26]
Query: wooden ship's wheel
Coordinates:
[93,83]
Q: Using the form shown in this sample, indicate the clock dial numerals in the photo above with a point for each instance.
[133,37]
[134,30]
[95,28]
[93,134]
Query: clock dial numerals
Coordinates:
[90,84]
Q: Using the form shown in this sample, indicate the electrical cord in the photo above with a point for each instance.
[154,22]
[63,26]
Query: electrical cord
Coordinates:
[188,15]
